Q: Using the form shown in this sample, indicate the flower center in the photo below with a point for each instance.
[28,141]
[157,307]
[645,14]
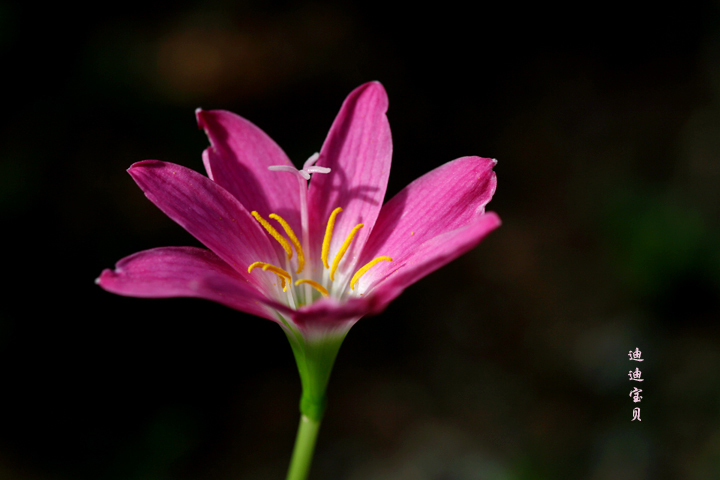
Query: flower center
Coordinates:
[284,276]
[304,296]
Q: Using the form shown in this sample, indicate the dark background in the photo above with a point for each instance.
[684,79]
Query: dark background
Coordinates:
[510,363]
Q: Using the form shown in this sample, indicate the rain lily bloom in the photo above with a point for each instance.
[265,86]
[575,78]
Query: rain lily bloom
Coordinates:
[314,249]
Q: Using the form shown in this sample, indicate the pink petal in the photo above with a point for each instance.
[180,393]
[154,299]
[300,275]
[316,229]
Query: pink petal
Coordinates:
[447,198]
[358,149]
[184,272]
[238,160]
[209,213]
[425,259]
[329,313]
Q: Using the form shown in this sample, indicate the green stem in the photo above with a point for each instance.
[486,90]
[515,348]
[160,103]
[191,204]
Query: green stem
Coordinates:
[304,448]
[314,356]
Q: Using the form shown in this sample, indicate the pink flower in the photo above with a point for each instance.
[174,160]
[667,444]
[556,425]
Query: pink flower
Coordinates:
[312,258]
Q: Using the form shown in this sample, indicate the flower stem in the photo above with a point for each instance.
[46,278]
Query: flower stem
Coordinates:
[304,448]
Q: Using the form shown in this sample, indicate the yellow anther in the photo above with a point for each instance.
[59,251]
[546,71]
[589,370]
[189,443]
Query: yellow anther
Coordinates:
[313,284]
[272,268]
[282,274]
[328,236]
[343,249]
[367,267]
[289,232]
[281,240]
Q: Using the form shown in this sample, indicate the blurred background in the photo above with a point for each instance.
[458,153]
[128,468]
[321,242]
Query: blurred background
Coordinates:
[509,363]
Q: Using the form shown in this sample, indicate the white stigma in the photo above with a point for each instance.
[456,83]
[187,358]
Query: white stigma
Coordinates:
[311,161]
[308,168]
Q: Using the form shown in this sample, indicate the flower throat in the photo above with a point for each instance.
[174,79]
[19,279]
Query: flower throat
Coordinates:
[329,270]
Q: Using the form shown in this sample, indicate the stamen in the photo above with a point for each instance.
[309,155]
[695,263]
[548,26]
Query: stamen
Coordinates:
[282,274]
[315,285]
[281,240]
[328,236]
[343,249]
[367,267]
[289,232]
[271,267]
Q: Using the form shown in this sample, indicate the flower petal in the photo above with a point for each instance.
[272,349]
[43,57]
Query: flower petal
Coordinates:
[184,272]
[330,314]
[425,259]
[447,198]
[209,213]
[238,160]
[435,219]
[358,149]
[377,293]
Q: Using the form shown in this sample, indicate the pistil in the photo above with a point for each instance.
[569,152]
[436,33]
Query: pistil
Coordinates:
[303,176]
